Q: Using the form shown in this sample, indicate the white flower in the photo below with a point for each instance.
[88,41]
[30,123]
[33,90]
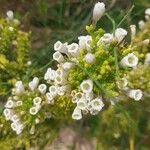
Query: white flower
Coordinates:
[49,97]
[73,49]
[98,11]
[78,95]
[60,80]
[120,34]
[61,73]
[33,110]
[82,103]
[135,94]
[67,66]
[53,90]
[19,88]
[88,43]
[141,24]
[147,59]
[106,39]
[90,58]
[34,83]
[129,61]
[37,101]
[133,31]
[50,74]
[87,86]
[58,57]
[15,118]
[147,11]
[84,42]
[89,96]
[77,114]
[9,104]
[10,15]
[97,104]
[60,47]
[8,113]
[42,88]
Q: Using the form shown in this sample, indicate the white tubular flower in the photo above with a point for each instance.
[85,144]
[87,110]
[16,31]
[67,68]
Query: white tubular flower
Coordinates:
[15,118]
[9,104]
[122,83]
[86,86]
[82,104]
[19,87]
[8,113]
[34,83]
[90,58]
[78,96]
[37,101]
[141,24]
[120,34]
[53,90]
[133,31]
[135,94]
[147,11]
[88,43]
[10,15]
[49,98]
[84,42]
[60,80]
[50,74]
[19,103]
[67,66]
[77,115]
[61,73]
[42,88]
[97,104]
[147,59]
[58,57]
[60,47]
[98,11]
[89,96]
[105,39]
[64,89]
[129,61]
[33,110]
[73,49]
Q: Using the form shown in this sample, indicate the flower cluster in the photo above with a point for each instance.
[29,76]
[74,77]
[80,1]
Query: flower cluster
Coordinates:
[89,74]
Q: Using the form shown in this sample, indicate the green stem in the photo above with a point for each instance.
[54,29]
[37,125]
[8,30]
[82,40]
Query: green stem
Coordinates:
[116,61]
[131,143]
[112,21]
[124,18]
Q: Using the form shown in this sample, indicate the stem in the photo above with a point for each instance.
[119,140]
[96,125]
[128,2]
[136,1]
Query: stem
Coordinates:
[131,143]
[112,21]
[130,10]
[116,62]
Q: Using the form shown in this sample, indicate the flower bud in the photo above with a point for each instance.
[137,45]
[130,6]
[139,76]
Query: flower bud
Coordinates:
[120,34]
[98,11]
[90,58]
[77,114]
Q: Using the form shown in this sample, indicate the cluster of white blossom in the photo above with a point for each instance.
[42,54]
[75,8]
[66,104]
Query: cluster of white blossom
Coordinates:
[11,104]
[57,80]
